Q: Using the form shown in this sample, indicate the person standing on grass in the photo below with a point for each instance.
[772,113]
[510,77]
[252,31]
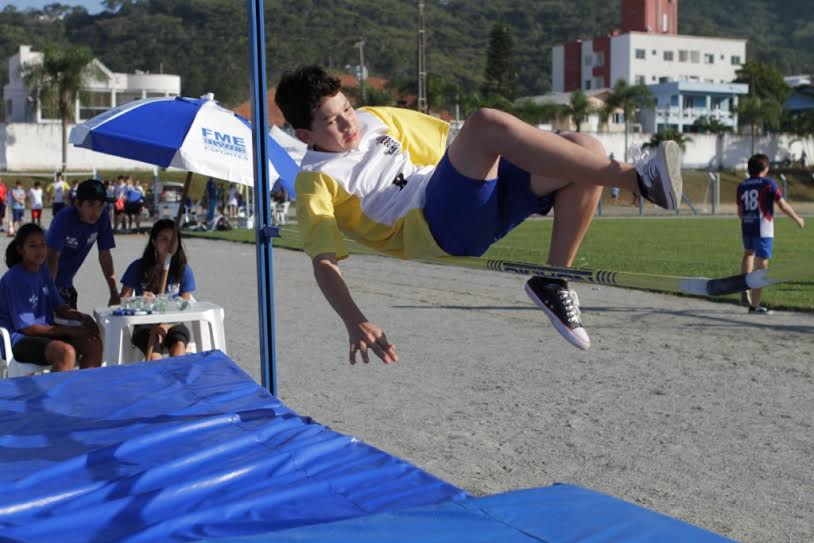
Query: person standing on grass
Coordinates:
[384,177]
[72,234]
[756,199]
[133,205]
[35,197]
[58,194]
[3,196]
[18,198]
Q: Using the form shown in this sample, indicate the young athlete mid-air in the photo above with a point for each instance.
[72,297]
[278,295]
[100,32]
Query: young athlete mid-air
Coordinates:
[384,177]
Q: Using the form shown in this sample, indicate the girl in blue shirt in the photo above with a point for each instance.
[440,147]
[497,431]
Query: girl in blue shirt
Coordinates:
[29,301]
[143,278]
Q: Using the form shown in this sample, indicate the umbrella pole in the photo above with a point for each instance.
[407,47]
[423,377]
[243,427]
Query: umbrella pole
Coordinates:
[168,259]
[175,235]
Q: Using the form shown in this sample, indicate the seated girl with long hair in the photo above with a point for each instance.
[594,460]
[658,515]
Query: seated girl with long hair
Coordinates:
[29,302]
[143,278]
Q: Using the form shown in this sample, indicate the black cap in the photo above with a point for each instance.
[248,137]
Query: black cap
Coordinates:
[91,189]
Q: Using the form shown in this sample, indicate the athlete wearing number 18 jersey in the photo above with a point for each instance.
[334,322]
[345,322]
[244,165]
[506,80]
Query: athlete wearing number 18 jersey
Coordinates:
[757,197]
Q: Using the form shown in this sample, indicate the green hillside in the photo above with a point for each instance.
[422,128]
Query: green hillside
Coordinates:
[205,41]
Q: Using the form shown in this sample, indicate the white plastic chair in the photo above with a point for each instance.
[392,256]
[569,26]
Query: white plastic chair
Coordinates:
[279,212]
[14,368]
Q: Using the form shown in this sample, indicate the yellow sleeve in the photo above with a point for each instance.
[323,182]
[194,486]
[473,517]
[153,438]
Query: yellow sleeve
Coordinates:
[423,136]
[316,194]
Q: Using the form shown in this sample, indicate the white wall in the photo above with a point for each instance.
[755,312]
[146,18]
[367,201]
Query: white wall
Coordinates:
[702,152]
[30,146]
[654,67]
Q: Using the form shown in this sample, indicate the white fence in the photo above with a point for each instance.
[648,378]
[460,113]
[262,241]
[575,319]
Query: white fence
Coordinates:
[29,146]
[26,146]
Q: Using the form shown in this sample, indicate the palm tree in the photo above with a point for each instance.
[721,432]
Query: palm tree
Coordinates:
[63,71]
[756,111]
[668,134]
[629,98]
[578,108]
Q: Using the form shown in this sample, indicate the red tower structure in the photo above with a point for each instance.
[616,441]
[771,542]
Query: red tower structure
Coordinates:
[653,16]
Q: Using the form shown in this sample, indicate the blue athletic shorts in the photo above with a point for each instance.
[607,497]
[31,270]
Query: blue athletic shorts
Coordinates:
[761,246]
[467,215]
[17,214]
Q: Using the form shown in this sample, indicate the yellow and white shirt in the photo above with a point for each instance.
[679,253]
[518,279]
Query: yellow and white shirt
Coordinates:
[375,193]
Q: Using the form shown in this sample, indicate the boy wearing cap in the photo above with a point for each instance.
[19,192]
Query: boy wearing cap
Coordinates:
[71,235]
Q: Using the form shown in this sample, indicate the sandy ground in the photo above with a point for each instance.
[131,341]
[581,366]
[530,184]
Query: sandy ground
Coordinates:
[690,408]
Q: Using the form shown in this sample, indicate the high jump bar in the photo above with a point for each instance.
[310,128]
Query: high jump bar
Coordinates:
[693,286]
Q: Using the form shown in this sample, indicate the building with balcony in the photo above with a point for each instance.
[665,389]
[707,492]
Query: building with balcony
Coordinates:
[686,73]
[681,105]
[104,89]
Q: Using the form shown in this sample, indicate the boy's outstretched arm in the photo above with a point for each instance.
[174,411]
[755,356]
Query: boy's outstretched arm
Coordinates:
[362,334]
[786,208]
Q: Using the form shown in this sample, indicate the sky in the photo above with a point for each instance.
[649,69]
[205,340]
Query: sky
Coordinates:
[93,6]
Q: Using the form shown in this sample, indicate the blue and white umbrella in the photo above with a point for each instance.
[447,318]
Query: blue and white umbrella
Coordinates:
[193,134]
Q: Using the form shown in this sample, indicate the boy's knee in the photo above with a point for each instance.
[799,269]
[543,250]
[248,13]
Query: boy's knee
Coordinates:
[487,116]
[62,355]
[586,141]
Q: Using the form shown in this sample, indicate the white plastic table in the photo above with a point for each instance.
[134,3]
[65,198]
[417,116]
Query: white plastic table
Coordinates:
[206,319]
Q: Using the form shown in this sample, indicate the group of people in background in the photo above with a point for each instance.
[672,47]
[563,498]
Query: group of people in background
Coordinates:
[38,299]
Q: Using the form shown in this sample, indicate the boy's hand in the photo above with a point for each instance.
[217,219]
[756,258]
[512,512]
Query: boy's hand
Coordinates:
[366,336]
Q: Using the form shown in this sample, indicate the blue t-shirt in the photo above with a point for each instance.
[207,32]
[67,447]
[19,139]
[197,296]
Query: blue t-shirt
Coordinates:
[27,298]
[132,278]
[74,238]
[133,196]
[756,198]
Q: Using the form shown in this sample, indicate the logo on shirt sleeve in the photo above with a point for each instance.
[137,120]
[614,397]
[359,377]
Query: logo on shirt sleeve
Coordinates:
[399,181]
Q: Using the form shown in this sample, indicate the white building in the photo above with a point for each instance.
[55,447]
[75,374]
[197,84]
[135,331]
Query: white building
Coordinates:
[650,51]
[679,104]
[106,89]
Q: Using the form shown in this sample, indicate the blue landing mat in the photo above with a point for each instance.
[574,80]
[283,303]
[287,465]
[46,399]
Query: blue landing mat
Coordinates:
[192,449]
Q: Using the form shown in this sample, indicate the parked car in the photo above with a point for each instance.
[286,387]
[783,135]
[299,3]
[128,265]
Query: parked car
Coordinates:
[169,198]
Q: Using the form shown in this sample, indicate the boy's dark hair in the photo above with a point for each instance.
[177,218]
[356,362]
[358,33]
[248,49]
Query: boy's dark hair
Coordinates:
[757,164]
[12,255]
[91,190]
[37,184]
[300,92]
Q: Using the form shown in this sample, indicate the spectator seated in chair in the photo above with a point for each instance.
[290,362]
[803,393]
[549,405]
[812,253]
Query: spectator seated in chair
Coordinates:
[29,305]
[143,278]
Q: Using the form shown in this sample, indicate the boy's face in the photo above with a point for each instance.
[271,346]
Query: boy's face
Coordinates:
[90,211]
[334,127]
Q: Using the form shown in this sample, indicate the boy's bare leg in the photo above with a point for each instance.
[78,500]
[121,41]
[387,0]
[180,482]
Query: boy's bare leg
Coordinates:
[574,206]
[489,134]
[747,265]
[760,264]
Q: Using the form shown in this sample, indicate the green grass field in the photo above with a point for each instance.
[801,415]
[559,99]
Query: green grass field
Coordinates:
[708,247]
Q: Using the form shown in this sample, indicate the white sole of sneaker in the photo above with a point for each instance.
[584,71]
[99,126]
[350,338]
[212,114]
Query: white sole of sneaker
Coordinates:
[672,183]
[578,338]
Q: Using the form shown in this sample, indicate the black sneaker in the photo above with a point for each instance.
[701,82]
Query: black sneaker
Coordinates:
[561,305]
[759,310]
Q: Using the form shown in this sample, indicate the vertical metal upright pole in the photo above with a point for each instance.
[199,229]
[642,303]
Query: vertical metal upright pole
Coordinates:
[263,230]
[423,106]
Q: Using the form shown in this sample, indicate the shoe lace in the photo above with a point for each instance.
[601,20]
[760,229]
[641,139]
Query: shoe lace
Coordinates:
[570,302]
[644,164]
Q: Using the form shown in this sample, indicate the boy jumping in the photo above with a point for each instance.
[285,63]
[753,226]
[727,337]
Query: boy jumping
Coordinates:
[384,177]
[756,198]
